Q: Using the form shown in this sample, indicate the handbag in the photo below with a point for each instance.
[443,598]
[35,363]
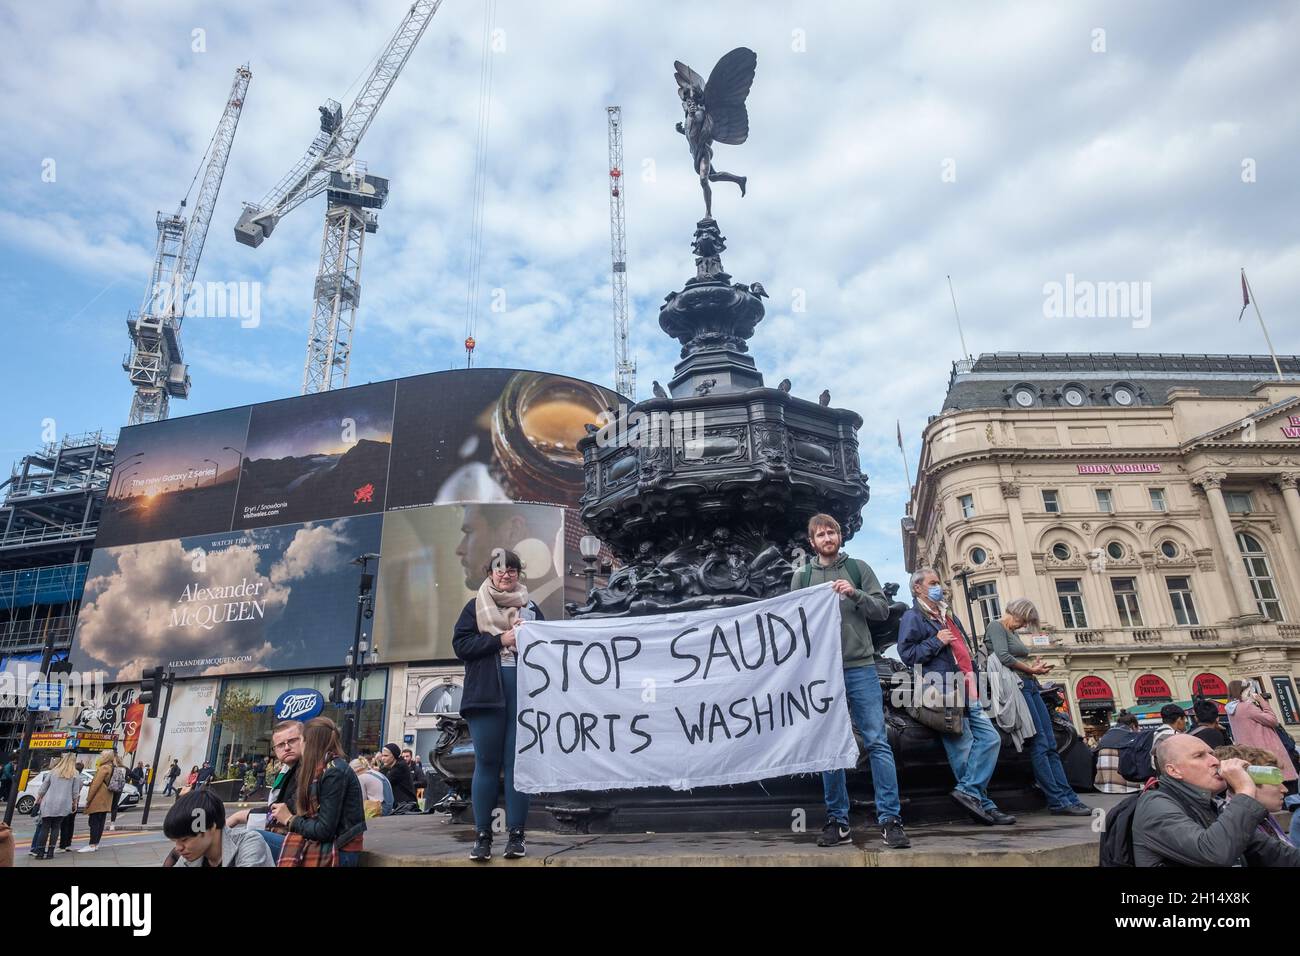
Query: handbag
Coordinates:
[939,709]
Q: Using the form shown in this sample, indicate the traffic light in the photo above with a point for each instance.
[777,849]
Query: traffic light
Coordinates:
[150,688]
[336,688]
[60,667]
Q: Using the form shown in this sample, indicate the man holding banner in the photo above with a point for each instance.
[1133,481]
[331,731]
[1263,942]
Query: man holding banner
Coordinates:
[861,600]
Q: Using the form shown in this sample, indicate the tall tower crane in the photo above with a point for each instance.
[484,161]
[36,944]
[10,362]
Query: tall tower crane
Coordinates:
[624,368]
[155,363]
[353,198]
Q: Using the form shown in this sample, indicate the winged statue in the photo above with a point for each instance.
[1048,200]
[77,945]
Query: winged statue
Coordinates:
[715,113]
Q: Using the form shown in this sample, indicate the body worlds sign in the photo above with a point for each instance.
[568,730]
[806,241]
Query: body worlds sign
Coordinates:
[687,700]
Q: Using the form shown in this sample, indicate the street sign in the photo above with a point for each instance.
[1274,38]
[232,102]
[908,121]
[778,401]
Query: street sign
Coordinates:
[47,695]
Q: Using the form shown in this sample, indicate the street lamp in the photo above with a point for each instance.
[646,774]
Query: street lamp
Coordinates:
[963,576]
[119,470]
[239,461]
[589,548]
[357,657]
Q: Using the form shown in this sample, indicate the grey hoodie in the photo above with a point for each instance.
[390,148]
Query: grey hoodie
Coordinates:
[856,608]
[239,847]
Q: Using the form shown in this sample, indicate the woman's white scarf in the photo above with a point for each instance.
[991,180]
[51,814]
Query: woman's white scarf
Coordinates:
[497,611]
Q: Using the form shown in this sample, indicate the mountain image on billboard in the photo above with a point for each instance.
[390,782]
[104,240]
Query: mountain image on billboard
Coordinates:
[319,456]
[174,478]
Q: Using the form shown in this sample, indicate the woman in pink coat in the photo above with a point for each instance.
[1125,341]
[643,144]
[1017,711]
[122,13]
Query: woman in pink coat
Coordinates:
[1254,725]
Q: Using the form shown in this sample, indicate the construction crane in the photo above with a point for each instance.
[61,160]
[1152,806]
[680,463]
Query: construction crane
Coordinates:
[353,200]
[624,368]
[155,363]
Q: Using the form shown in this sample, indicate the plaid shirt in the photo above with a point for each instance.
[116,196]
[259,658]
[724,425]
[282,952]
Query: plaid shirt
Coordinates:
[1108,779]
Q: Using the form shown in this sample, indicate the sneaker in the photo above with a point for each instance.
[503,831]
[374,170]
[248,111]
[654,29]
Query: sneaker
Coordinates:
[482,850]
[1077,810]
[66,849]
[515,847]
[894,836]
[89,849]
[834,833]
[1001,819]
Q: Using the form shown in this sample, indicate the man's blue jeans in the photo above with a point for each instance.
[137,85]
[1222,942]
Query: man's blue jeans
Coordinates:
[1048,770]
[274,842]
[867,711]
[974,754]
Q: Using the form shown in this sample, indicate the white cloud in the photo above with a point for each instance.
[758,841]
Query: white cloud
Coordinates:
[1117,165]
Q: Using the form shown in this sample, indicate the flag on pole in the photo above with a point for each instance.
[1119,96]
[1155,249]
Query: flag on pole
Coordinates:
[1245,295]
[899,425]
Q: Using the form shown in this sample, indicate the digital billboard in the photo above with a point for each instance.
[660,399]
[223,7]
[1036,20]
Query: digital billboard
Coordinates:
[229,540]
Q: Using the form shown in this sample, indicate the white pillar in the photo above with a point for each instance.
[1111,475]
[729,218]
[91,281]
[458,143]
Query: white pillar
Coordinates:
[1027,581]
[1291,496]
[1242,595]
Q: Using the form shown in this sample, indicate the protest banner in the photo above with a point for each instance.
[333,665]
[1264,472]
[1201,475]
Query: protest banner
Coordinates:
[695,699]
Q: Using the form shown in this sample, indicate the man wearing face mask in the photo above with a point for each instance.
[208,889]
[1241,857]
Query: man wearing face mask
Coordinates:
[861,600]
[931,640]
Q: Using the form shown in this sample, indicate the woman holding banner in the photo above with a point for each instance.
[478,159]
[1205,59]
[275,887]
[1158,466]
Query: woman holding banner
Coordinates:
[485,639]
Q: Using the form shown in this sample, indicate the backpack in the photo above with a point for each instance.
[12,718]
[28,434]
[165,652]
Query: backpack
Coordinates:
[1135,757]
[855,574]
[118,780]
[1116,845]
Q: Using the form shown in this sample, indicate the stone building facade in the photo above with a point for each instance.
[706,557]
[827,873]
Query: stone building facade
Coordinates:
[1147,504]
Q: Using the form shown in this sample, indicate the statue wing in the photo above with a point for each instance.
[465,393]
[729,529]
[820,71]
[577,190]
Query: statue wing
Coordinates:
[687,78]
[724,96]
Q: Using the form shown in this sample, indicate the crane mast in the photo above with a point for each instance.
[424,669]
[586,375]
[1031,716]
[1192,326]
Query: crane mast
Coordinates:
[353,201]
[624,368]
[155,363]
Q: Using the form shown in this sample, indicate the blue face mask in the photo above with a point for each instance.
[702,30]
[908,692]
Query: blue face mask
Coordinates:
[935,592]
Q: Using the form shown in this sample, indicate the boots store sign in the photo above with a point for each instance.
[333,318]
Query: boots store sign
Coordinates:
[302,703]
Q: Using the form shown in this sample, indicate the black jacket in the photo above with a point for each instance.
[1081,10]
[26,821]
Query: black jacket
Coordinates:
[481,653]
[399,777]
[341,814]
[1176,824]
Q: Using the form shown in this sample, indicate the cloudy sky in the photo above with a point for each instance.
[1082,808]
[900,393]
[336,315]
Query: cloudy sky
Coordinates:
[1009,145]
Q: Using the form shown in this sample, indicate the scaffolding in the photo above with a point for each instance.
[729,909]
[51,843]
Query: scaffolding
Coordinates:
[52,502]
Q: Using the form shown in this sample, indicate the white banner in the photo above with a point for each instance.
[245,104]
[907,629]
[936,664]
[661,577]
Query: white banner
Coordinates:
[696,699]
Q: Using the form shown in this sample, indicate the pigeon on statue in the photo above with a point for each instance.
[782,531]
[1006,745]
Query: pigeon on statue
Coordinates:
[757,289]
[824,399]
[784,385]
[659,390]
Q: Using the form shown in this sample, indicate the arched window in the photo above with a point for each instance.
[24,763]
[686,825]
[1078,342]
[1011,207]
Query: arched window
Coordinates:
[1260,575]
[443,699]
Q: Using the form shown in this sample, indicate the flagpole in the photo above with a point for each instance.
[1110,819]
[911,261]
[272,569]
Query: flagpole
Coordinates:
[1255,302]
[965,352]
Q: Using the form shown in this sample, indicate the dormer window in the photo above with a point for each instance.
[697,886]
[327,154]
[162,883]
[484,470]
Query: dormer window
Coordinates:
[1026,396]
[1074,396]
